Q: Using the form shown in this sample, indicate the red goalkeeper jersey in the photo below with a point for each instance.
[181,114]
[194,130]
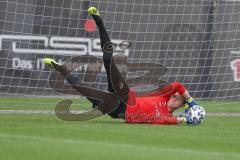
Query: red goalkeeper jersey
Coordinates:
[152,109]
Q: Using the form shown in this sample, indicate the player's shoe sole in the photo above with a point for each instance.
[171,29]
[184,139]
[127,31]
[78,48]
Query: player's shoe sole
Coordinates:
[93,11]
[51,63]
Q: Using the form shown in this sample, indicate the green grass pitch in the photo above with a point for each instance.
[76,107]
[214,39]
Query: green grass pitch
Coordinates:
[44,137]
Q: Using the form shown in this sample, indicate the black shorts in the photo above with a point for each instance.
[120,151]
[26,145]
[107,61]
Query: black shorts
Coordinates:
[120,110]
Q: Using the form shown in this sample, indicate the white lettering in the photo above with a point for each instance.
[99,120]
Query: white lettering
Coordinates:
[61,45]
[17,63]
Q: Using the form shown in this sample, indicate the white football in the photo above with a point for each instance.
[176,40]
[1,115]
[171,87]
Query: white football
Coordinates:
[196,114]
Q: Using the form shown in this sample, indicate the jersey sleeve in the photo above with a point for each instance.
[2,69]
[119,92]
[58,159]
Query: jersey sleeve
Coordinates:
[170,89]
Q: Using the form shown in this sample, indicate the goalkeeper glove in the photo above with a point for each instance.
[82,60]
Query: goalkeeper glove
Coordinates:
[185,118]
[189,103]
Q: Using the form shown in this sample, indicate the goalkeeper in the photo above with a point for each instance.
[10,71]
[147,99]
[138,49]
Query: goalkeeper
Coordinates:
[156,108]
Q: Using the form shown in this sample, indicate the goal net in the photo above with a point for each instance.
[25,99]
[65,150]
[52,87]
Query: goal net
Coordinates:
[196,40]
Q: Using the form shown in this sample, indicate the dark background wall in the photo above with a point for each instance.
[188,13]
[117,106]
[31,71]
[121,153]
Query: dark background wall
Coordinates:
[193,39]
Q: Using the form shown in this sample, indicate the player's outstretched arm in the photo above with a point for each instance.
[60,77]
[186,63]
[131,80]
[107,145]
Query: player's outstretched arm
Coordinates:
[179,87]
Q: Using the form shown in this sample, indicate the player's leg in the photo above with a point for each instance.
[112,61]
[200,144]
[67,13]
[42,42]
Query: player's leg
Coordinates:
[75,81]
[115,81]
[104,101]
[70,78]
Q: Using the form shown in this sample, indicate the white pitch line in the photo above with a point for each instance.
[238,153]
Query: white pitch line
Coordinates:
[223,114]
[51,112]
[34,112]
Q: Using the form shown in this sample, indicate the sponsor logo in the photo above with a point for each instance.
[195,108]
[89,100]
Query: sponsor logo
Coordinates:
[57,45]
